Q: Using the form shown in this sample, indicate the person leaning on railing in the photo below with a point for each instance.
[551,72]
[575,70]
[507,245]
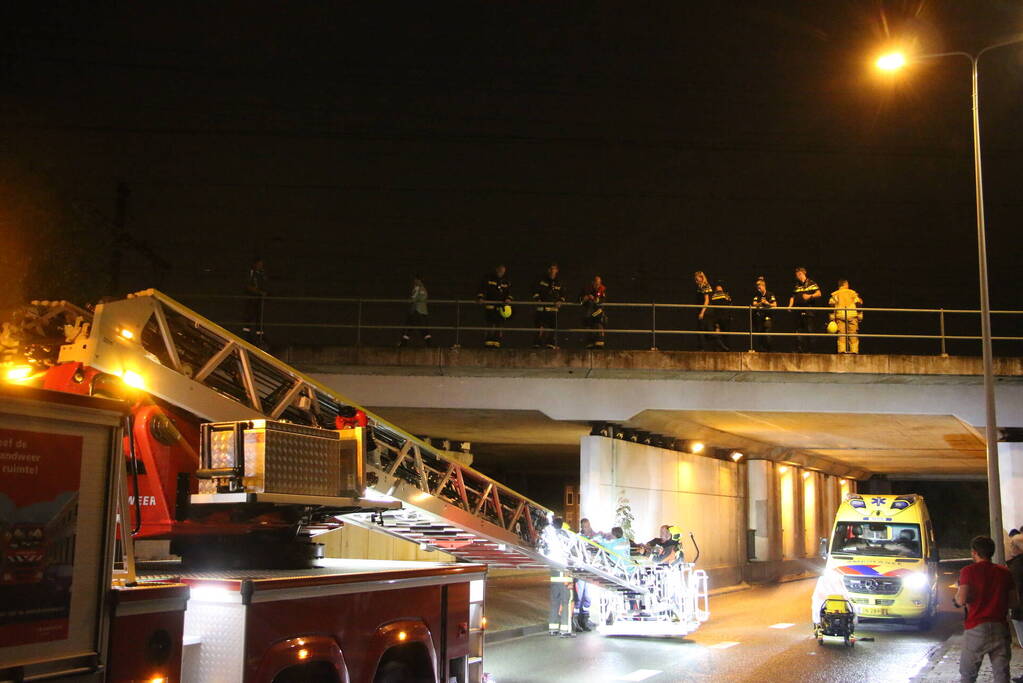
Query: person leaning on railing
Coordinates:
[594,317]
[805,295]
[494,294]
[549,296]
[763,302]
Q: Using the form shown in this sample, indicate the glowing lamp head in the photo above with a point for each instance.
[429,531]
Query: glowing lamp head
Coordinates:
[697,447]
[737,456]
[126,333]
[18,373]
[133,379]
[303,653]
[893,61]
[402,635]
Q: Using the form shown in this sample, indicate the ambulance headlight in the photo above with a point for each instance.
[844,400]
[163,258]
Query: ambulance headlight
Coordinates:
[916,580]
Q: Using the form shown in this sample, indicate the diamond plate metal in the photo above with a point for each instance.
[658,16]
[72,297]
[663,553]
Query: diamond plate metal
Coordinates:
[283,458]
[220,654]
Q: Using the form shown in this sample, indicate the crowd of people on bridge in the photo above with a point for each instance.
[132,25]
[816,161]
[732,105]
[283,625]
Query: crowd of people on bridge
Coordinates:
[711,306]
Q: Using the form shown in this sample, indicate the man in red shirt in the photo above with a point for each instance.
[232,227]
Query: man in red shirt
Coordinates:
[988,593]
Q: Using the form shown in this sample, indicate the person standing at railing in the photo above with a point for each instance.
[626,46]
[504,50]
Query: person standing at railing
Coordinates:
[722,318]
[704,316]
[255,292]
[805,295]
[846,316]
[763,302]
[549,297]
[418,316]
[594,317]
[494,294]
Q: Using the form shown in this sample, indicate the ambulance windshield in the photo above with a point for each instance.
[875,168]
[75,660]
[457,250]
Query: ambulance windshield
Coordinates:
[882,539]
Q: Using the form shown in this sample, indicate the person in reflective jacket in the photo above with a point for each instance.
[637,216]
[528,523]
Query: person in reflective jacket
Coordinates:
[594,317]
[494,294]
[549,297]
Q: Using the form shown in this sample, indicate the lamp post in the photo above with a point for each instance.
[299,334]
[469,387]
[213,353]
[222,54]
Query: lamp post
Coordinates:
[893,62]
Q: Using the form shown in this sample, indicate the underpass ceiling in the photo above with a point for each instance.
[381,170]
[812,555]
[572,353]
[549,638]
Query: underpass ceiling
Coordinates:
[877,443]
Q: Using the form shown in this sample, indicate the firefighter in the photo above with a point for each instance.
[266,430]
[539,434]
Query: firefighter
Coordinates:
[805,295]
[846,316]
[722,318]
[594,317]
[559,622]
[548,294]
[704,317]
[418,314]
[763,302]
[255,291]
[494,294]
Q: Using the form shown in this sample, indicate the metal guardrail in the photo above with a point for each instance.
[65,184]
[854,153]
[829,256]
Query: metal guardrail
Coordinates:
[654,321]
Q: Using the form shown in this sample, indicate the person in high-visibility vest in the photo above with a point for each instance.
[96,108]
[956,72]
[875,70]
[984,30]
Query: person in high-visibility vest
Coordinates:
[559,622]
[846,317]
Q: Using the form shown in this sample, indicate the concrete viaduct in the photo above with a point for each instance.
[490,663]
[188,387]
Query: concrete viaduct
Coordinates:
[808,426]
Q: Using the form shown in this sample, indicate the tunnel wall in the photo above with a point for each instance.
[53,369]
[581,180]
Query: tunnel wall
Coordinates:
[696,493]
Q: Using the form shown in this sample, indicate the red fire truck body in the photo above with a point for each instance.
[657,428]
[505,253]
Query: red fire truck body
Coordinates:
[342,621]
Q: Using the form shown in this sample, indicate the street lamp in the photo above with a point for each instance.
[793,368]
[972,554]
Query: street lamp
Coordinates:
[893,62]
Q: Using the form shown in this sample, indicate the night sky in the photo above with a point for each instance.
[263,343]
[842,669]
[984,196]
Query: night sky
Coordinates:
[351,145]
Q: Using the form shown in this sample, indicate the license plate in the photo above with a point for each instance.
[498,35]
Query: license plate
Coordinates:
[874,611]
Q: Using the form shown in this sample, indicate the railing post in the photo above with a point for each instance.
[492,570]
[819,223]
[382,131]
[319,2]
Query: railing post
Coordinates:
[358,324]
[941,316]
[750,310]
[458,324]
[653,325]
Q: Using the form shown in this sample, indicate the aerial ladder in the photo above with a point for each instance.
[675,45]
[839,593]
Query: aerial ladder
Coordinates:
[394,483]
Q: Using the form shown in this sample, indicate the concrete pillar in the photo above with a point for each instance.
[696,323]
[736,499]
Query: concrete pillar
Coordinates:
[1010,464]
[760,491]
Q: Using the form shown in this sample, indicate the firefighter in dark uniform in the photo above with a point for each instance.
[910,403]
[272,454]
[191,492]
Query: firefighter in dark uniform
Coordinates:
[548,294]
[594,317]
[255,290]
[805,294]
[763,302]
[494,294]
[722,316]
[704,316]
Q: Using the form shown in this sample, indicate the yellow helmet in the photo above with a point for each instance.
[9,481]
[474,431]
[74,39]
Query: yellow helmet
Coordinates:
[505,311]
[832,327]
[676,532]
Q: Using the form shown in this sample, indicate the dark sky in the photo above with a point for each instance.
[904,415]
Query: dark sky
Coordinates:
[352,144]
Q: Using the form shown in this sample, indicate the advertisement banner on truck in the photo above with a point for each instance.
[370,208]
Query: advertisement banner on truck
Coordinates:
[40,476]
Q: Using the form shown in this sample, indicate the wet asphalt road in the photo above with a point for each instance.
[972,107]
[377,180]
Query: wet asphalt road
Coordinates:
[737,644]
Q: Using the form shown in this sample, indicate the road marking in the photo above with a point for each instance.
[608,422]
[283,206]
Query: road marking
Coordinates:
[781,625]
[723,645]
[639,675]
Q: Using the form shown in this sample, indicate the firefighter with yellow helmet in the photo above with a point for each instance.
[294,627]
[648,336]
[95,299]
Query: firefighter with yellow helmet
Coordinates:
[494,295]
[846,317]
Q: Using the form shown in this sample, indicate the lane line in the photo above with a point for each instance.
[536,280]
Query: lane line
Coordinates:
[639,675]
[723,645]
[783,624]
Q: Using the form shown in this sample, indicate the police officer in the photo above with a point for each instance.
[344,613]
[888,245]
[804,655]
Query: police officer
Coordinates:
[494,294]
[763,302]
[594,317]
[722,318]
[805,295]
[704,316]
[549,296]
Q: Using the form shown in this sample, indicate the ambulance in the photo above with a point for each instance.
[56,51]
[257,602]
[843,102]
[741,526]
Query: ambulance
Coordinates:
[882,556]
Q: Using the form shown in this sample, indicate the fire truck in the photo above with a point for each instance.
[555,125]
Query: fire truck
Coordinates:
[24,552]
[236,459]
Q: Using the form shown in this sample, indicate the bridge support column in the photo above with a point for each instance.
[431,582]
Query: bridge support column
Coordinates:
[1010,463]
[763,504]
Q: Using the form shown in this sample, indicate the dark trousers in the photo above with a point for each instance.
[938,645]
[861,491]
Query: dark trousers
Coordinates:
[494,321]
[546,328]
[721,323]
[416,322]
[595,339]
[805,325]
[762,324]
[252,320]
[560,619]
[706,326]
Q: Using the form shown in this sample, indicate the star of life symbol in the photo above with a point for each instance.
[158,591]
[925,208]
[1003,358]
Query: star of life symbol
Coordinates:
[877,501]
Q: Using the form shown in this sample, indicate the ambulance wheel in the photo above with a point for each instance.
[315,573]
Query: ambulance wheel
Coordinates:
[820,640]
